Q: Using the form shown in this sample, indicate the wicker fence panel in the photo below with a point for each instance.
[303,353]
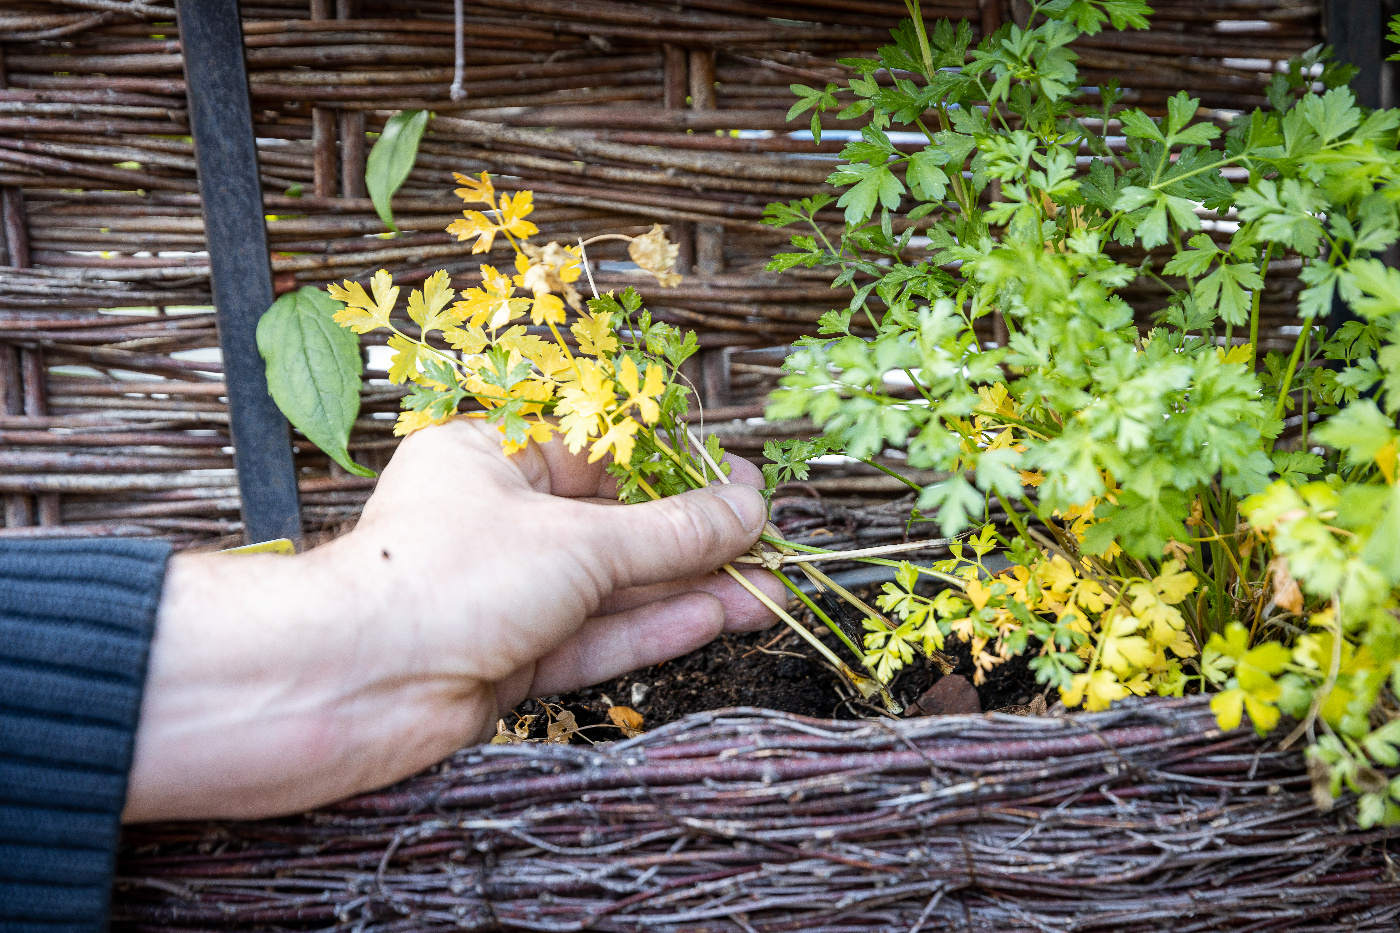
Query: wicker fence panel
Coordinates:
[1143,819]
[617,115]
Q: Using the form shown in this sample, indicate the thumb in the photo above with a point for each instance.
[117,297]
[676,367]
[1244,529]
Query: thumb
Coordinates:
[678,537]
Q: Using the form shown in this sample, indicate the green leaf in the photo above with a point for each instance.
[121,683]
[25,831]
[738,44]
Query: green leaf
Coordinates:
[1140,125]
[313,370]
[926,179]
[392,159]
[872,184]
[1359,431]
[955,501]
[1382,550]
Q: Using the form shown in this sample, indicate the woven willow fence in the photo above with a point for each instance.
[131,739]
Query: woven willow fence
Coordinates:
[616,114]
[1142,819]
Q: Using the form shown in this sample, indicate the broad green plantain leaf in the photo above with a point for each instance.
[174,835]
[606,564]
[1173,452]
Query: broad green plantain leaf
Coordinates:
[313,370]
[392,159]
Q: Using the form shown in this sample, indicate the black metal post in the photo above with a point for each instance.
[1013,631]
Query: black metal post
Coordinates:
[1356,30]
[221,122]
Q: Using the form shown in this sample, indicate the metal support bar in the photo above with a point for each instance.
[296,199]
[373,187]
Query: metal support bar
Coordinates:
[221,123]
[1356,30]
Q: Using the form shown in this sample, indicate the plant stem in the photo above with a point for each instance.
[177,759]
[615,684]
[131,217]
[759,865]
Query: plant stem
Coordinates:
[817,611]
[782,613]
[1254,310]
[1286,386]
[689,471]
[913,7]
[888,472]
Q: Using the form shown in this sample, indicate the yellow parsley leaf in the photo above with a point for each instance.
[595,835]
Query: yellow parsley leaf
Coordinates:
[642,396]
[1096,691]
[1173,584]
[977,593]
[474,191]
[618,439]
[1164,620]
[474,224]
[513,212]
[491,304]
[582,404]
[547,309]
[425,307]
[1057,574]
[410,421]
[537,431]
[403,366]
[595,334]
[361,313]
[1230,704]
[1241,354]
[1124,650]
[470,340]
[1385,459]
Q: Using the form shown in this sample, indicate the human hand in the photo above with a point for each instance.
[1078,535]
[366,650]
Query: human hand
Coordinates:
[472,580]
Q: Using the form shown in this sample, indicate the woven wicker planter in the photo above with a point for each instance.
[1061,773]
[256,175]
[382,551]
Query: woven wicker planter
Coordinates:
[1143,818]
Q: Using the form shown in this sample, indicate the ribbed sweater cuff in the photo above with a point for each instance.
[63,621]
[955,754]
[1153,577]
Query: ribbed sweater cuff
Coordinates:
[76,619]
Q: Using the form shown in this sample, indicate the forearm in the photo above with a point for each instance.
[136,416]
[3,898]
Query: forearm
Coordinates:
[266,691]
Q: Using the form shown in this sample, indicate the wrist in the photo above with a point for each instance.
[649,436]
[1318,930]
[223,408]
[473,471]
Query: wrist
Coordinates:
[247,669]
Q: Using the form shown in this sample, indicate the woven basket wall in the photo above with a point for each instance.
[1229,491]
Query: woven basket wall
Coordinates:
[617,115]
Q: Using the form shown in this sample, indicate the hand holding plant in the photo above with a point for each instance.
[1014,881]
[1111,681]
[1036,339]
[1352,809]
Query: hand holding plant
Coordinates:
[473,580]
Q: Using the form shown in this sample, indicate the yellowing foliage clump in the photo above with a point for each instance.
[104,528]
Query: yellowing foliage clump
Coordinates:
[600,395]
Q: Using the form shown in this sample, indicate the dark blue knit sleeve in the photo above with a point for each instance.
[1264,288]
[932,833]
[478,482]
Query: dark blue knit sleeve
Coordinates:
[76,618]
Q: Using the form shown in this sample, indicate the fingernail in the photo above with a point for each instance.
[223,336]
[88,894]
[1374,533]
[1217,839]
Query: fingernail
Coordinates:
[747,504]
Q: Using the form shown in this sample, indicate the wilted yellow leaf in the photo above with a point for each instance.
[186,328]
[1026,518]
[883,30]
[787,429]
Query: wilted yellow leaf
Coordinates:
[656,254]
[1287,594]
[503,735]
[562,726]
[627,719]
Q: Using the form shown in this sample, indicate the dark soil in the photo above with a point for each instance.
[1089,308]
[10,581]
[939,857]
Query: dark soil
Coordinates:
[774,669]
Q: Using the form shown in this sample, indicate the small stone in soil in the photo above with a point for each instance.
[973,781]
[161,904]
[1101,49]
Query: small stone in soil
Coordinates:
[950,695]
